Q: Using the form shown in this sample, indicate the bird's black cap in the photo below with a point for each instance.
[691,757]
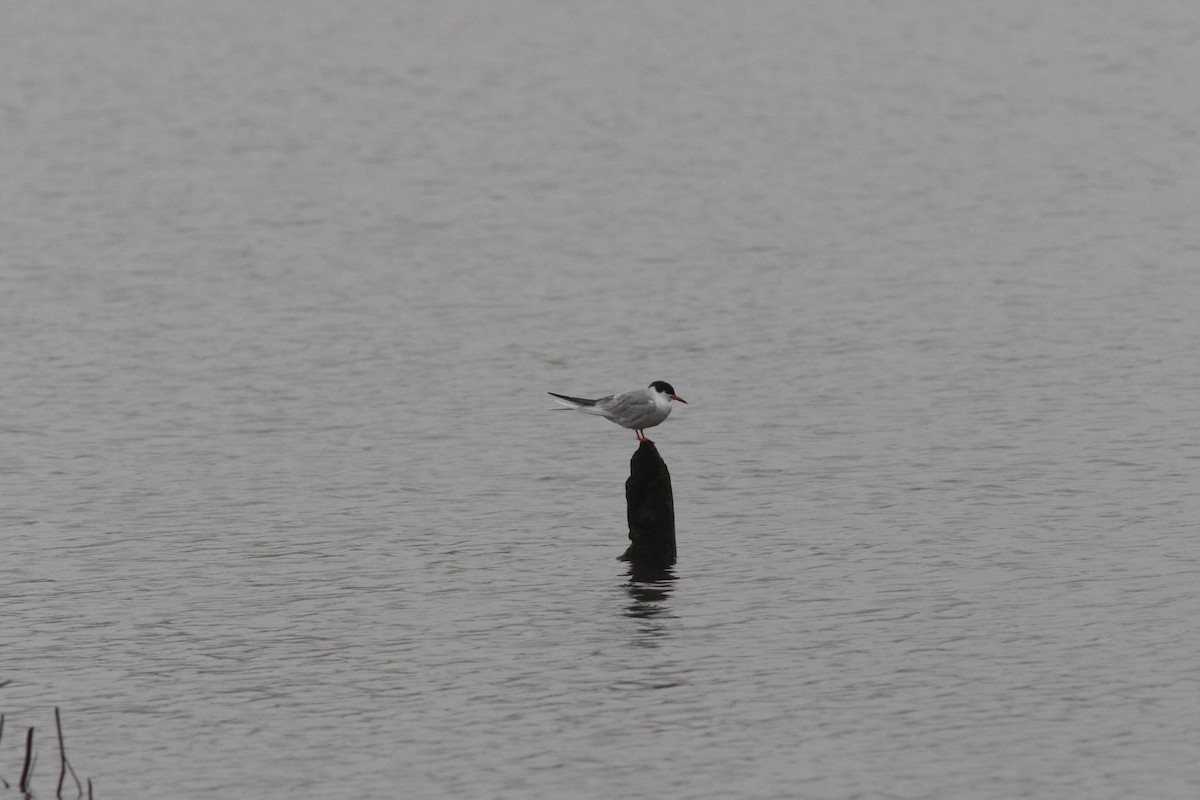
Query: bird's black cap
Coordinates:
[663,386]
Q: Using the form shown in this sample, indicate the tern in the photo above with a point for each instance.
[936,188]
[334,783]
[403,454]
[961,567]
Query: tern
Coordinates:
[636,409]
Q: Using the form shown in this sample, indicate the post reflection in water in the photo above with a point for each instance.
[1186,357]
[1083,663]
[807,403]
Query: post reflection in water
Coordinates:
[648,589]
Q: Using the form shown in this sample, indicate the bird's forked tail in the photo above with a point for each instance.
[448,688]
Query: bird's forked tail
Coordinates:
[573,402]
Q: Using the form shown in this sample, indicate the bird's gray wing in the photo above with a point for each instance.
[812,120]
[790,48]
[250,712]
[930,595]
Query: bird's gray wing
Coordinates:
[626,408]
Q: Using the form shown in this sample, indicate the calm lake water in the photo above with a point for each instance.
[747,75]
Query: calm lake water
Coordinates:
[284,510]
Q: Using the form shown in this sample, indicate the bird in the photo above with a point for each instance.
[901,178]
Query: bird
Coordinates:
[636,409]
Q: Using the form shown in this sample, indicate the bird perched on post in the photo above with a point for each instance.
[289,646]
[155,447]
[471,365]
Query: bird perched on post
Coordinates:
[636,409]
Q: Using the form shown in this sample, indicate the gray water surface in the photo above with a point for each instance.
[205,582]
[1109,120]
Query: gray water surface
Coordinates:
[284,510]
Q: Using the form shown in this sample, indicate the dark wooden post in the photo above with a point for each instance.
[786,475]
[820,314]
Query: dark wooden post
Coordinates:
[651,510]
